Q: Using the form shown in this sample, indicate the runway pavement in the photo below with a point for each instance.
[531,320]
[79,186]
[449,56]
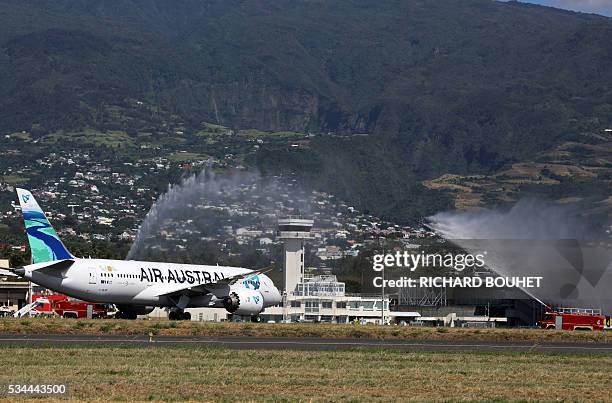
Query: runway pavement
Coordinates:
[295,343]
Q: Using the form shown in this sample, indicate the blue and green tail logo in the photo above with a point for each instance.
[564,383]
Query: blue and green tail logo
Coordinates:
[44,242]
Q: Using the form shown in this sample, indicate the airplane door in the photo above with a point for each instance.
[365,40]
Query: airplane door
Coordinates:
[93,276]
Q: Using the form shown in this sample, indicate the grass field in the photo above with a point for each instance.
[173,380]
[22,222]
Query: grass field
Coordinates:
[14,179]
[203,373]
[111,138]
[188,328]
[185,156]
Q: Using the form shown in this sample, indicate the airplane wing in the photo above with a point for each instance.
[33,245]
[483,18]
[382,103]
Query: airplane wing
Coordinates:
[217,288]
[234,279]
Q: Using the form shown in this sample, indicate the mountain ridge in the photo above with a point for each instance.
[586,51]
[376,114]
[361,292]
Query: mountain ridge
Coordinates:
[440,86]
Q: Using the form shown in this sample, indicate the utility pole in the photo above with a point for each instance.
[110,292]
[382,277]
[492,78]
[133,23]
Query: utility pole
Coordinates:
[383,296]
[382,301]
[30,290]
[285,307]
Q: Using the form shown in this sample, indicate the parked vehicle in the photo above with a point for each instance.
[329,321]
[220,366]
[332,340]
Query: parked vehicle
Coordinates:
[575,319]
[66,307]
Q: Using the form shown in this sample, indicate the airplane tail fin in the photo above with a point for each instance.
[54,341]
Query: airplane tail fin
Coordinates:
[44,241]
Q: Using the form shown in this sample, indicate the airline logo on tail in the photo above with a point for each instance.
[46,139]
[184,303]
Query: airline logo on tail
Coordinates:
[44,242]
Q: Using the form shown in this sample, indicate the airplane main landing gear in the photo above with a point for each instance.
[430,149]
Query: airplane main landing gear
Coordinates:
[125,315]
[176,314]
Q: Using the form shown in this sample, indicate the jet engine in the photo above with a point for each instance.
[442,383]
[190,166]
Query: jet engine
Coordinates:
[243,302]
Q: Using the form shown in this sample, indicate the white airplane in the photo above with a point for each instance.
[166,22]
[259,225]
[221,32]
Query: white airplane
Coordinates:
[137,287]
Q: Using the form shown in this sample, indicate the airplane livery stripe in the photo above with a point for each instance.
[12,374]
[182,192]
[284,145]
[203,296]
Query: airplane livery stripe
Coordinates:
[44,242]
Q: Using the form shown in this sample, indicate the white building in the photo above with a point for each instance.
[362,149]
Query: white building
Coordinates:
[323,299]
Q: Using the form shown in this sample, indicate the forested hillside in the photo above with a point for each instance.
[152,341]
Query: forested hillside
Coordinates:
[432,87]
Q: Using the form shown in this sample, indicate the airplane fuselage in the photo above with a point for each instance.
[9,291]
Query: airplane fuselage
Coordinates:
[143,283]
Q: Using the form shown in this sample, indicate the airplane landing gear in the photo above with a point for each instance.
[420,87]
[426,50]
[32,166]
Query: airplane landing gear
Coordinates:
[125,315]
[176,314]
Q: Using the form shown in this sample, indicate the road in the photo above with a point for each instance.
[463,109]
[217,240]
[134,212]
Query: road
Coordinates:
[295,343]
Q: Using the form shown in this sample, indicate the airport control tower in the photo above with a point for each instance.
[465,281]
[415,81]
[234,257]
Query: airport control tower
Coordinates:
[293,232]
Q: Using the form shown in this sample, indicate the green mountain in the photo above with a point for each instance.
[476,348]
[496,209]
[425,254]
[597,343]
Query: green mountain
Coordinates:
[438,86]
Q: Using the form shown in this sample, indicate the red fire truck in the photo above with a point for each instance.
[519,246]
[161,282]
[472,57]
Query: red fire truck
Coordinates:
[65,307]
[575,319]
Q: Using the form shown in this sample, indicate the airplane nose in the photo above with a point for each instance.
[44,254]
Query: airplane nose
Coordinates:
[272,296]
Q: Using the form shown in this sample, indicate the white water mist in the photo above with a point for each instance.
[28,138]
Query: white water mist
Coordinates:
[536,238]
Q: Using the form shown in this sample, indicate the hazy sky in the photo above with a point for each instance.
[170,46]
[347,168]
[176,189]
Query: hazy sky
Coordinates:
[603,7]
